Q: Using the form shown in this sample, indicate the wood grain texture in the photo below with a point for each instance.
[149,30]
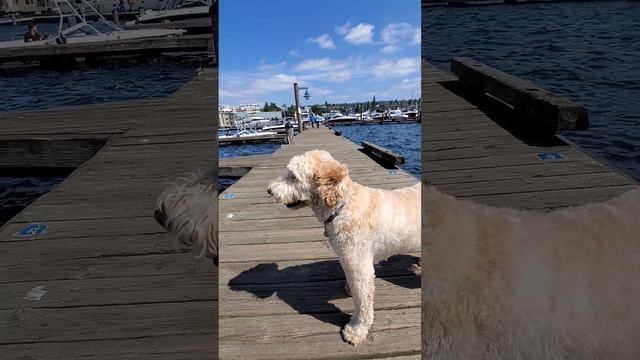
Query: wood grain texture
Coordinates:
[114,284]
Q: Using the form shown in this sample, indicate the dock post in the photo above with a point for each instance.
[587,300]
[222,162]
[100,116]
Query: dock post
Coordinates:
[115,17]
[295,93]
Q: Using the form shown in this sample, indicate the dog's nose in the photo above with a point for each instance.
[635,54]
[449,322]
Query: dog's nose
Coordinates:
[160,217]
[269,191]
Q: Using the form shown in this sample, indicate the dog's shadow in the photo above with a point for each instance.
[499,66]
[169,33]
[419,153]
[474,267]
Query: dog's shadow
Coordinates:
[310,288]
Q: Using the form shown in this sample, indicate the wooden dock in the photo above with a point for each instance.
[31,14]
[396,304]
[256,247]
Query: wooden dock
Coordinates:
[467,154]
[105,281]
[281,287]
[149,46]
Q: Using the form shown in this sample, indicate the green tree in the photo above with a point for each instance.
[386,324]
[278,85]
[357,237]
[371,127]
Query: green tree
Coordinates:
[373,103]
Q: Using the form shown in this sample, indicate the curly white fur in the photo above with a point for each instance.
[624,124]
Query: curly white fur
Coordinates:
[507,284]
[188,208]
[369,225]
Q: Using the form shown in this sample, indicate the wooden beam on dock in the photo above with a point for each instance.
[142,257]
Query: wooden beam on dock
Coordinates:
[383,155]
[281,287]
[105,281]
[550,112]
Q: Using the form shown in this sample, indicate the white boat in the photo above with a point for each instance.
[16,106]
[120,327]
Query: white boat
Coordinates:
[411,113]
[337,117]
[246,134]
[365,116]
[87,32]
[15,21]
[278,128]
[174,10]
[244,131]
[397,115]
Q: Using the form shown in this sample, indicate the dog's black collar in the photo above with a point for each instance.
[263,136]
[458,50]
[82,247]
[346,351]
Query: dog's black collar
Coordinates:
[334,215]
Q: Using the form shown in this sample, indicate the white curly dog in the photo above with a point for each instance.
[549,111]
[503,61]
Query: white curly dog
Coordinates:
[500,283]
[364,225]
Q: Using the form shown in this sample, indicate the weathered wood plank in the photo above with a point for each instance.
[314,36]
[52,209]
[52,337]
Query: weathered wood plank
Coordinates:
[551,112]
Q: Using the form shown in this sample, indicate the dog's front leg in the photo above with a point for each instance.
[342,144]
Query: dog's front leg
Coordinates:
[361,279]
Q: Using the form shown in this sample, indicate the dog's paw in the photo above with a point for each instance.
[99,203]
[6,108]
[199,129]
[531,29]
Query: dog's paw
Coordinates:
[354,335]
[416,269]
[347,289]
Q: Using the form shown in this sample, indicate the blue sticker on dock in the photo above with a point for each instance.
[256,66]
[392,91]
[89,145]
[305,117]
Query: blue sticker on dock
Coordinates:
[550,156]
[33,230]
[228,196]
[393,172]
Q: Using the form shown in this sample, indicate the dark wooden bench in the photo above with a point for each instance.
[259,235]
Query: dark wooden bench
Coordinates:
[548,112]
[382,155]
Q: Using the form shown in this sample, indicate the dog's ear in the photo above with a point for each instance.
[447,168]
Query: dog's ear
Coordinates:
[328,177]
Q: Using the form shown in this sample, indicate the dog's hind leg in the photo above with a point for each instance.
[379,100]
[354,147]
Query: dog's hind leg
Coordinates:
[361,279]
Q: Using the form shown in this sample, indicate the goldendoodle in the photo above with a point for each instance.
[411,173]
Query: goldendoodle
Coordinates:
[364,225]
[188,208]
[500,283]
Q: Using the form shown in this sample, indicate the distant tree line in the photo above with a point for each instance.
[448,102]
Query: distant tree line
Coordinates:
[373,105]
[270,107]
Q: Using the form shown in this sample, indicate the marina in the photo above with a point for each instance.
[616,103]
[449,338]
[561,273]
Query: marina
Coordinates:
[87,272]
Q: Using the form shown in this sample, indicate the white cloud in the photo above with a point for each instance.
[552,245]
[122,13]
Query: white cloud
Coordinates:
[320,92]
[330,76]
[326,69]
[265,66]
[390,49]
[357,35]
[417,36]
[405,88]
[398,68]
[294,53]
[323,64]
[394,35]
[324,41]
[273,83]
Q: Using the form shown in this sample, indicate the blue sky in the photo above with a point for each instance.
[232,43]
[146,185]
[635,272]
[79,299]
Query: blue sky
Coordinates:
[348,50]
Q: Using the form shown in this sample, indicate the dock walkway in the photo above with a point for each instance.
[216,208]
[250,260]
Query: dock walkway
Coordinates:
[281,287]
[105,281]
[468,155]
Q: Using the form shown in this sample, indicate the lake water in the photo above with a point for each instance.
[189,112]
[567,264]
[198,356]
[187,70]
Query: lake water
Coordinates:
[586,51]
[403,139]
[17,193]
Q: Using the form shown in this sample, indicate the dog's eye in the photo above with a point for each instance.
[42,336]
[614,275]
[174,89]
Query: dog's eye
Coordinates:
[292,176]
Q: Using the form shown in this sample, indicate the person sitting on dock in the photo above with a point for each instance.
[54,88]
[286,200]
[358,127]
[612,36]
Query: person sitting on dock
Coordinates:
[32,34]
[289,128]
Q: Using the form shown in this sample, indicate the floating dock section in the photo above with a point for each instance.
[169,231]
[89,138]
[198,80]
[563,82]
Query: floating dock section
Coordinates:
[86,271]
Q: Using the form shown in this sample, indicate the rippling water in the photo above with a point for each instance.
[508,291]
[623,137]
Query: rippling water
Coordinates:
[230,151]
[17,193]
[403,139]
[588,52]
